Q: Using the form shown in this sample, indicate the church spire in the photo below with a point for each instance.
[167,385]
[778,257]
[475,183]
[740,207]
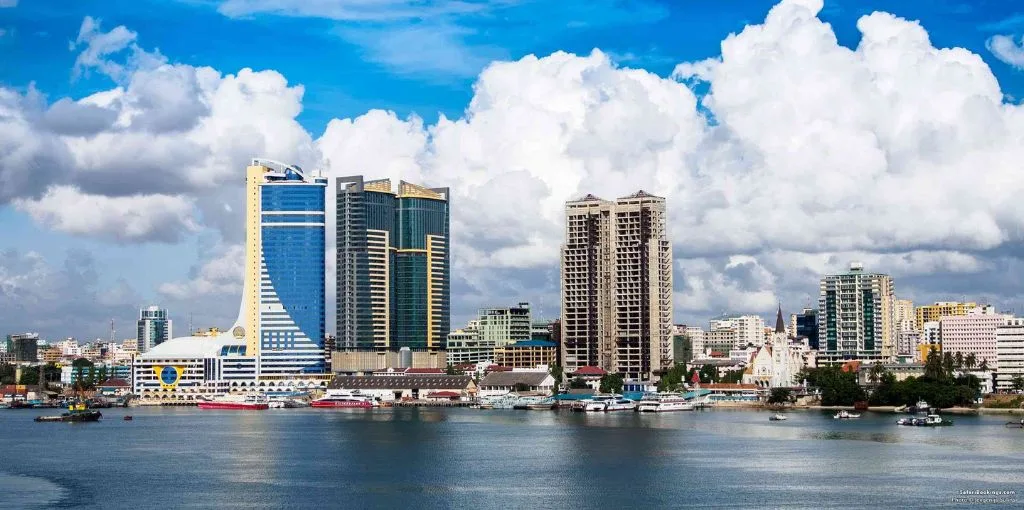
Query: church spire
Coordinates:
[780,325]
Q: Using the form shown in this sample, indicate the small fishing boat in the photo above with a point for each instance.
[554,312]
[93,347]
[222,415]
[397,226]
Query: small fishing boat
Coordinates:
[932,420]
[777,417]
[845,415]
[1015,424]
[127,418]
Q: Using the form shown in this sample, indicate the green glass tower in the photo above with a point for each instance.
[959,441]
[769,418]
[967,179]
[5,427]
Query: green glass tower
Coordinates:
[393,259]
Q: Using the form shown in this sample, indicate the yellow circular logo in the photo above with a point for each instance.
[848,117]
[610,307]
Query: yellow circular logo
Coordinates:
[238,332]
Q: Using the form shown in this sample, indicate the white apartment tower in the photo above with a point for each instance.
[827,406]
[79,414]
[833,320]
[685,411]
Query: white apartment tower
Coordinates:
[857,317]
[617,286]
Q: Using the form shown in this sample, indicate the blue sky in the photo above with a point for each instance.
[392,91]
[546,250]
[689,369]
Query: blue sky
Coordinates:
[417,57]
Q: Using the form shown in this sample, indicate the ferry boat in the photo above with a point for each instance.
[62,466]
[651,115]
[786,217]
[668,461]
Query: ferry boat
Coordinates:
[620,404]
[664,402]
[340,398]
[845,415]
[256,402]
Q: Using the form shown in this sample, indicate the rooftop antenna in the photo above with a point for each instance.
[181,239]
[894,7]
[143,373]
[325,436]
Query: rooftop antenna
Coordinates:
[111,330]
[189,323]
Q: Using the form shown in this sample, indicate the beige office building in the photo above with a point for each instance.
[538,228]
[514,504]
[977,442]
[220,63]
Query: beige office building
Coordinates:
[617,286]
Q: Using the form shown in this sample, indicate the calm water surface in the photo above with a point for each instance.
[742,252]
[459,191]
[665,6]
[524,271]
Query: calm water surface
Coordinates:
[474,459]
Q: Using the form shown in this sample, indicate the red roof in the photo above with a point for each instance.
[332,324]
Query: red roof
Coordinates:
[424,371]
[114,383]
[444,394]
[851,366]
[717,354]
[497,368]
[590,371]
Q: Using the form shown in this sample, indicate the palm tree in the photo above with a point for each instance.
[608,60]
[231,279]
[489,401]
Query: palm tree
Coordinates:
[947,364]
[958,360]
[970,361]
[876,373]
[1018,383]
[983,366]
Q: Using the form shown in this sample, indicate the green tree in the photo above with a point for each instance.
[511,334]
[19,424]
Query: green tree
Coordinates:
[558,373]
[958,360]
[970,361]
[837,387]
[948,364]
[933,365]
[780,396]
[673,379]
[83,369]
[578,384]
[29,376]
[983,366]
[7,373]
[611,383]
[732,376]
[1018,383]
[876,372]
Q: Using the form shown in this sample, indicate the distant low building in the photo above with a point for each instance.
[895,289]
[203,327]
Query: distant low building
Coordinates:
[114,387]
[417,386]
[499,383]
[357,362]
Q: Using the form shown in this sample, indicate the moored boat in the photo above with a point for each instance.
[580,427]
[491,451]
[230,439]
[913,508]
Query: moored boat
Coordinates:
[256,402]
[664,402]
[543,405]
[343,399]
[76,413]
[597,403]
[777,417]
[846,415]
[620,404]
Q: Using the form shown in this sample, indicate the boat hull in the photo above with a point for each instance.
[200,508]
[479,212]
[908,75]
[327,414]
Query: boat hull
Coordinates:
[73,418]
[340,405]
[663,408]
[233,406]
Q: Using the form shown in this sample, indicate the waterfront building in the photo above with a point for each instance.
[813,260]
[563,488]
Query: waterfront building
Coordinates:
[154,328]
[682,344]
[24,347]
[616,283]
[1009,353]
[807,326]
[938,310]
[400,386]
[777,363]
[283,296]
[393,259]
[526,354]
[857,320]
[500,383]
[114,387]
[972,333]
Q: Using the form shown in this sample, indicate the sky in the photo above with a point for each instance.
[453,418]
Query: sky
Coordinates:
[789,139]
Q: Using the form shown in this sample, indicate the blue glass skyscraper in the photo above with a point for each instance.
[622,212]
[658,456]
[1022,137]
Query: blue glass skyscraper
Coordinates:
[283,297]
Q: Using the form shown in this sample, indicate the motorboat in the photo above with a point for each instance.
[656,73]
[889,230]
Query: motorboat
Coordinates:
[620,404]
[543,405]
[932,420]
[777,417]
[664,402]
[253,402]
[286,403]
[343,399]
[846,415]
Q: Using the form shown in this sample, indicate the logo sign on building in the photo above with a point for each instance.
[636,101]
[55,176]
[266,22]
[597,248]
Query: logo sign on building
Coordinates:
[168,375]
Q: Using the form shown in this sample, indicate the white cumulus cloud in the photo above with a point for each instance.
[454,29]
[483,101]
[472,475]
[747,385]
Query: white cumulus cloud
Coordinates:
[1007,50]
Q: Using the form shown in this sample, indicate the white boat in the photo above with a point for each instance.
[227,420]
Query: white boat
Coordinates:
[526,402]
[597,403]
[344,399]
[777,417]
[620,404]
[664,402]
[845,415]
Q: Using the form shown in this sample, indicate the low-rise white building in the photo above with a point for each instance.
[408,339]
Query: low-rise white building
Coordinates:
[500,383]
[404,387]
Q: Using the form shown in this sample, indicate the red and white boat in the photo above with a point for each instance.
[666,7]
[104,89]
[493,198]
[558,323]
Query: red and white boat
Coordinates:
[341,398]
[237,403]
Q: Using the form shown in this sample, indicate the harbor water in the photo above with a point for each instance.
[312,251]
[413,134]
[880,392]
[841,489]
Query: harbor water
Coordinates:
[483,459]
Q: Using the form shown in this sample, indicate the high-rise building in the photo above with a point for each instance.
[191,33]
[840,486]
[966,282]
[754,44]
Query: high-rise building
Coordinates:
[857,319]
[617,286]
[23,347]
[154,328]
[934,312]
[1009,353]
[807,326]
[973,333]
[393,259]
[282,314]
[505,325]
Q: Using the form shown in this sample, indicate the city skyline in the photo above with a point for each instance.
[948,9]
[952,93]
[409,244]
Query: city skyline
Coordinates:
[123,160]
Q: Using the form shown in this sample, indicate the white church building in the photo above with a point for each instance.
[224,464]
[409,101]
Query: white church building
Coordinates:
[778,363]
